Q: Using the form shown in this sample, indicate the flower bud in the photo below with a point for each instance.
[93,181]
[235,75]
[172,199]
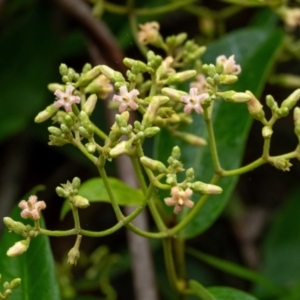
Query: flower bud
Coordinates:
[111,74]
[90,104]
[76,182]
[291,100]
[52,87]
[151,131]
[181,76]
[173,93]
[63,69]
[18,248]
[153,165]
[74,253]
[57,141]
[190,173]
[88,76]
[206,189]
[176,153]
[270,101]
[46,114]
[227,79]
[171,179]
[119,149]
[16,227]
[61,192]
[282,164]
[190,138]
[267,132]
[80,202]
[83,132]
[90,147]
[255,108]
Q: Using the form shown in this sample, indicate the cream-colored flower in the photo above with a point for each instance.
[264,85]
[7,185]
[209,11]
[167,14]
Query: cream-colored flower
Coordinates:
[229,65]
[31,209]
[126,98]
[291,18]
[179,199]
[148,33]
[194,100]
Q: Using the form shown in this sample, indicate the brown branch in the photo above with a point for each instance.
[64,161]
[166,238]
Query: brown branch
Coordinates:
[96,30]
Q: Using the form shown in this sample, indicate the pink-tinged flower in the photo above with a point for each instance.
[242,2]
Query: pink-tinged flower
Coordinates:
[194,100]
[31,208]
[126,98]
[229,65]
[179,199]
[66,99]
[200,83]
[148,33]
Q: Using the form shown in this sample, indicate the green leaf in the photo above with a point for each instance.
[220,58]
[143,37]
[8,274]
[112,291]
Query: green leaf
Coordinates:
[246,2]
[200,291]
[281,246]
[95,191]
[35,267]
[227,293]
[255,50]
[28,61]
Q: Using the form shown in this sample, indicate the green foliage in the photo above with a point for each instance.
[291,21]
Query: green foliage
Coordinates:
[227,293]
[94,190]
[255,50]
[35,267]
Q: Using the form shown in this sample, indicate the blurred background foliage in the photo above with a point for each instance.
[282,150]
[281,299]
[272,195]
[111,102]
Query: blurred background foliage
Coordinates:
[260,226]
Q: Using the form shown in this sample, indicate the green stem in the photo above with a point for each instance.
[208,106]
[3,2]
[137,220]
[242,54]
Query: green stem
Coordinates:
[170,267]
[79,145]
[75,217]
[211,139]
[112,199]
[139,174]
[99,132]
[266,148]
[179,249]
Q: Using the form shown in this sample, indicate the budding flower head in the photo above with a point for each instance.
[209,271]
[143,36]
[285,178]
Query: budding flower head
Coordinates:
[179,199]
[149,33]
[194,100]
[282,164]
[31,208]
[126,98]
[74,253]
[229,65]
[66,99]
[18,248]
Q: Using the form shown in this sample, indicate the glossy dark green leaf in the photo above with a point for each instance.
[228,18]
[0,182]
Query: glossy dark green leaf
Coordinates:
[35,267]
[95,191]
[255,50]
[281,246]
[227,293]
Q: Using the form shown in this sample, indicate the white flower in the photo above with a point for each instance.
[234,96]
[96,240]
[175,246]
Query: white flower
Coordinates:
[126,98]
[66,99]
[179,199]
[229,65]
[31,208]
[194,100]
[148,33]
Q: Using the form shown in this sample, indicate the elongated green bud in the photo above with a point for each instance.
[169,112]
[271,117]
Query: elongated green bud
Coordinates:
[88,76]
[153,165]
[291,100]
[190,138]
[181,76]
[205,188]
[90,104]
[46,114]
[255,108]
[111,74]
[80,202]
[16,227]
[173,93]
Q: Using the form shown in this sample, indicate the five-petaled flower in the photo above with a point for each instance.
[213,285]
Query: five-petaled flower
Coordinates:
[148,33]
[179,199]
[31,208]
[194,100]
[66,99]
[229,65]
[126,98]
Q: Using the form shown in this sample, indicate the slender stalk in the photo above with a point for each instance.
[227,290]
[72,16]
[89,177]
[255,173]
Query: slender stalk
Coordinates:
[211,139]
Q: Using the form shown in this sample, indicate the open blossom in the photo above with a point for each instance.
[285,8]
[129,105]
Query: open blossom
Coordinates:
[126,98]
[200,83]
[179,199]
[194,100]
[229,65]
[66,99]
[148,33]
[31,208]
[291,18]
